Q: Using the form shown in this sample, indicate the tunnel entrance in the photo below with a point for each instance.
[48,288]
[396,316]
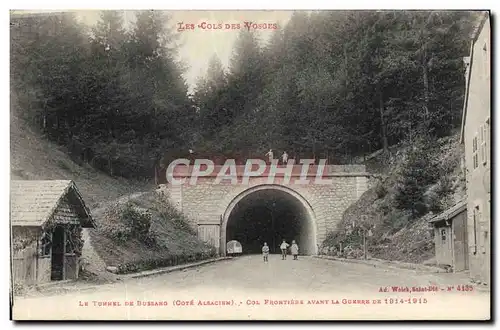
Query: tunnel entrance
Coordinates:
[271,215]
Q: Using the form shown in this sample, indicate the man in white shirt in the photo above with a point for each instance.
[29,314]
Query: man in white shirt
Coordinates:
[270,155]
[284,246]
[284,157]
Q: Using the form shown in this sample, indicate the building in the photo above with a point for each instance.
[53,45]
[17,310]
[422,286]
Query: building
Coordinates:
[475,137]
[450,237]
[47,218]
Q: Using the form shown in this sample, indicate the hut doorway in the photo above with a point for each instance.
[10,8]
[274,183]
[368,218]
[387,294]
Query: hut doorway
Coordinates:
[57,265]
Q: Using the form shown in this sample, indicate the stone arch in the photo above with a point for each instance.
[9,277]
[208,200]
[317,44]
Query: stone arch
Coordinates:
[312,222]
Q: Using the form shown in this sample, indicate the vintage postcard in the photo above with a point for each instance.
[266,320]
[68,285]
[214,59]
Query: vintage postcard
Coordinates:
[250,165]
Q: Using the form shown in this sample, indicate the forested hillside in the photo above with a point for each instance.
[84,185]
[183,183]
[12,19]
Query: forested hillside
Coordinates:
[338,84]
[114,98]
[328,84]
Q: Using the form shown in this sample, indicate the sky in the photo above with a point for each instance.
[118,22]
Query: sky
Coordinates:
[198,45]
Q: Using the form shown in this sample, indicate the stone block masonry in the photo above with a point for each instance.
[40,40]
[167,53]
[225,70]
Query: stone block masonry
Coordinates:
[207,204]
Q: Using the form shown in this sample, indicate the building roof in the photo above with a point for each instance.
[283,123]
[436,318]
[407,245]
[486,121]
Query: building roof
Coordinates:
[33,202]
[478,27]
[451,212]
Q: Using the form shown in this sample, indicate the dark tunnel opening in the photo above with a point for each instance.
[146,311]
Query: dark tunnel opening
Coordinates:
[270,215]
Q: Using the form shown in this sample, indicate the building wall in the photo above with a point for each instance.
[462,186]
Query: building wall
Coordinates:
[478,162]
[205,203]
[24,260]
[27,264]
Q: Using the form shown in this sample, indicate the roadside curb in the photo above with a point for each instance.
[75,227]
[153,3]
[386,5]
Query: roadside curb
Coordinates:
[173,268]
[386,264]
[55,288]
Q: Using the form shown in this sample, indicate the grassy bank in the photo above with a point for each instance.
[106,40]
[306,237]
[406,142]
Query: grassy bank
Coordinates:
[144,232]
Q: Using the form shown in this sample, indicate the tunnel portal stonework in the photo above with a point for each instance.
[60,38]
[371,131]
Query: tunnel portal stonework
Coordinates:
[208,204]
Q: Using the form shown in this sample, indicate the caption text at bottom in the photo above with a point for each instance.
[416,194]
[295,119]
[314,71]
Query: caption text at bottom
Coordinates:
[252,302]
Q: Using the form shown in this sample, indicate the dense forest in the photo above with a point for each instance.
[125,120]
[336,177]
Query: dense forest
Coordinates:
[328,84]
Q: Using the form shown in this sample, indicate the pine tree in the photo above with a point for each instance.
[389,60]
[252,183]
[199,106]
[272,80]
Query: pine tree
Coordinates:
[416,175]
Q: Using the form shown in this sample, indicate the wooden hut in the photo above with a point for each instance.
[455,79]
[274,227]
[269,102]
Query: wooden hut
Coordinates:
[47,218]
[450,237]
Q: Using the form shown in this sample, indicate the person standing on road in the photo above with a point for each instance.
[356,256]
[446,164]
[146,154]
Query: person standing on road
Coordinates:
[295,250]
[284,157]
[284,246]
[270,155]
[265,252]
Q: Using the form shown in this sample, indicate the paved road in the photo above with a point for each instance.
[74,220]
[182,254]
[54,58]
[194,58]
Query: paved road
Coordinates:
[248,288]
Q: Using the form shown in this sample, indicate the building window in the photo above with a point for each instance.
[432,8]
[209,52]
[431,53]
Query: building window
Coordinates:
[475,162]
[46,245]
[443,235]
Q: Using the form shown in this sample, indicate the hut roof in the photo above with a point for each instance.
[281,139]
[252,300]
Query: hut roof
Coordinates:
[451,212]
[33,202]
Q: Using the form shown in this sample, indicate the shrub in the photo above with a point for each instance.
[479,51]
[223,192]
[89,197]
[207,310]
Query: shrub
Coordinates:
[126,222]
[445,187]
[352,253]
[436,197]
[332,239]
[139,221]
[385,207]
[169,213]
[396,220]
[152,239]
[348,239]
